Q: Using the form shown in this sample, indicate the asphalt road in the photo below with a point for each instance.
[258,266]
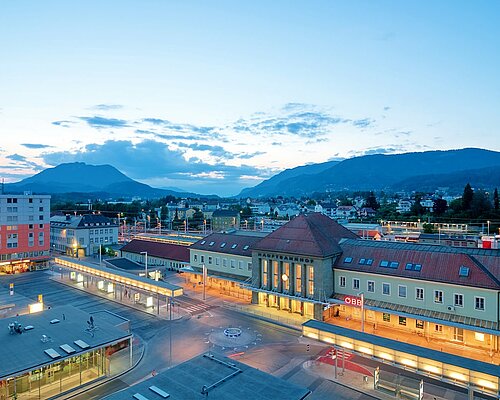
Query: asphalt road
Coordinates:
[275,349]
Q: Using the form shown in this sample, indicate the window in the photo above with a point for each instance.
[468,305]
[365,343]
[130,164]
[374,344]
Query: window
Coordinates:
[464,271]
[419,324]
[310,280]
[342,281]
[224,262]
[402,321]
[233,263]
[438,328]
[458,300]
[217,260]
[348,260]
[298,279]
[195,258]
[240,264]
[249,266]
[384,263]
[211,243]
[209,260]
[202,259]
[369,261]
[246,247]
[438,296]
[417,267]
[401,290]
[394,265]
[479,303]
[286,271]
[264,272]
[386,317]
[370,286]
[203,242]
[479,336]
[419,293]
[275,274]
[362,261]
[409,266]
[355,284]
[386,289]
[223,244]
[234,246]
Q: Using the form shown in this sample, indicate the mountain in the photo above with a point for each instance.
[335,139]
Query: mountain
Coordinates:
[274,184]
[79,177]
[384,172]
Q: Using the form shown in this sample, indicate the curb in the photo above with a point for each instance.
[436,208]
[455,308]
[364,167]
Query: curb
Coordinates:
[259,317]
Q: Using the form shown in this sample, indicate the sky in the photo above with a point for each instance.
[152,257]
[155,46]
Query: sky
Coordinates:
[216,96]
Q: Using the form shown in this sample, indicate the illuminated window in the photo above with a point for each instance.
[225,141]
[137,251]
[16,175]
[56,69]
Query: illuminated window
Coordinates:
[275,274]
[479,336]
[264,272]
[286,271]
[386,317]
[298,279]
[402,321]
[310,280]
[419,324]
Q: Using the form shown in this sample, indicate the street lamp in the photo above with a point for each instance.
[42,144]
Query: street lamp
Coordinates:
[204,282]
[362,295]
[145,262]
[488,228]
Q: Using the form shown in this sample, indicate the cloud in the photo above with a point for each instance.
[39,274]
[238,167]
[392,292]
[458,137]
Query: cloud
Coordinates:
[293,119]
[102,122]
[16,157]
[151,159]
[63,124]
[363,123]
[215,151]
[106,107]
[35,145]
[387,108]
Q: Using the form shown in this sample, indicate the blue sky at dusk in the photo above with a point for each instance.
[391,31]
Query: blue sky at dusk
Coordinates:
[215,96]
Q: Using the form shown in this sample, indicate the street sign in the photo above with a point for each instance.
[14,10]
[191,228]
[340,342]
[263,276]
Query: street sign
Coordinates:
[11,289]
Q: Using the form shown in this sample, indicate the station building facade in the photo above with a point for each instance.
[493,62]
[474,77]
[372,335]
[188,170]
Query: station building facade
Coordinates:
[294,265]
[24,232]
[312,266]
[227,258]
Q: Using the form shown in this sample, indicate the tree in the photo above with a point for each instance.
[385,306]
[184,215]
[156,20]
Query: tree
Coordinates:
[428,228]
[495,200]
[371,201]
[480,204]
[416,208]
[467,197]
[439,206]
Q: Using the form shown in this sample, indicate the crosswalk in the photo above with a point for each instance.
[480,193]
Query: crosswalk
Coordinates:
[199,308]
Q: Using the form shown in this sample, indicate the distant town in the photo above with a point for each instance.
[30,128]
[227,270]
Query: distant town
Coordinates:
[353,283]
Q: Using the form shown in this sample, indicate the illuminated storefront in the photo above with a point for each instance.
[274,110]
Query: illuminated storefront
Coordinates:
[55,351]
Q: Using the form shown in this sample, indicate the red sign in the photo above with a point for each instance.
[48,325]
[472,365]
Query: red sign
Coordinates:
[353,301]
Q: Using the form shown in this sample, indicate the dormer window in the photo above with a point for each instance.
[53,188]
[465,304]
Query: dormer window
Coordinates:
[234,246]
[223,244]
[348,260]
[464,271]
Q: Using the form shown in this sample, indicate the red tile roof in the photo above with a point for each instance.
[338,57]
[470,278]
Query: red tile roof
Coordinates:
[155,249]
[309,235]
[439,264]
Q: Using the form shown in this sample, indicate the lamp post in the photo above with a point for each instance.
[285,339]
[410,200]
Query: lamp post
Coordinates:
[100,255]
[171,305]
[204,282]
[145,262]
[488,228]
[362,295]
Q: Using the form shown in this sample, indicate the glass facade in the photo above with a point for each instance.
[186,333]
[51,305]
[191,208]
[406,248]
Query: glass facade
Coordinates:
[61,376]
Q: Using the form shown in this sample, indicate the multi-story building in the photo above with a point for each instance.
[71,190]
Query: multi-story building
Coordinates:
[293,265]
[24,232]
[81,235]
[223,220]
[227,258]
[437,298]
